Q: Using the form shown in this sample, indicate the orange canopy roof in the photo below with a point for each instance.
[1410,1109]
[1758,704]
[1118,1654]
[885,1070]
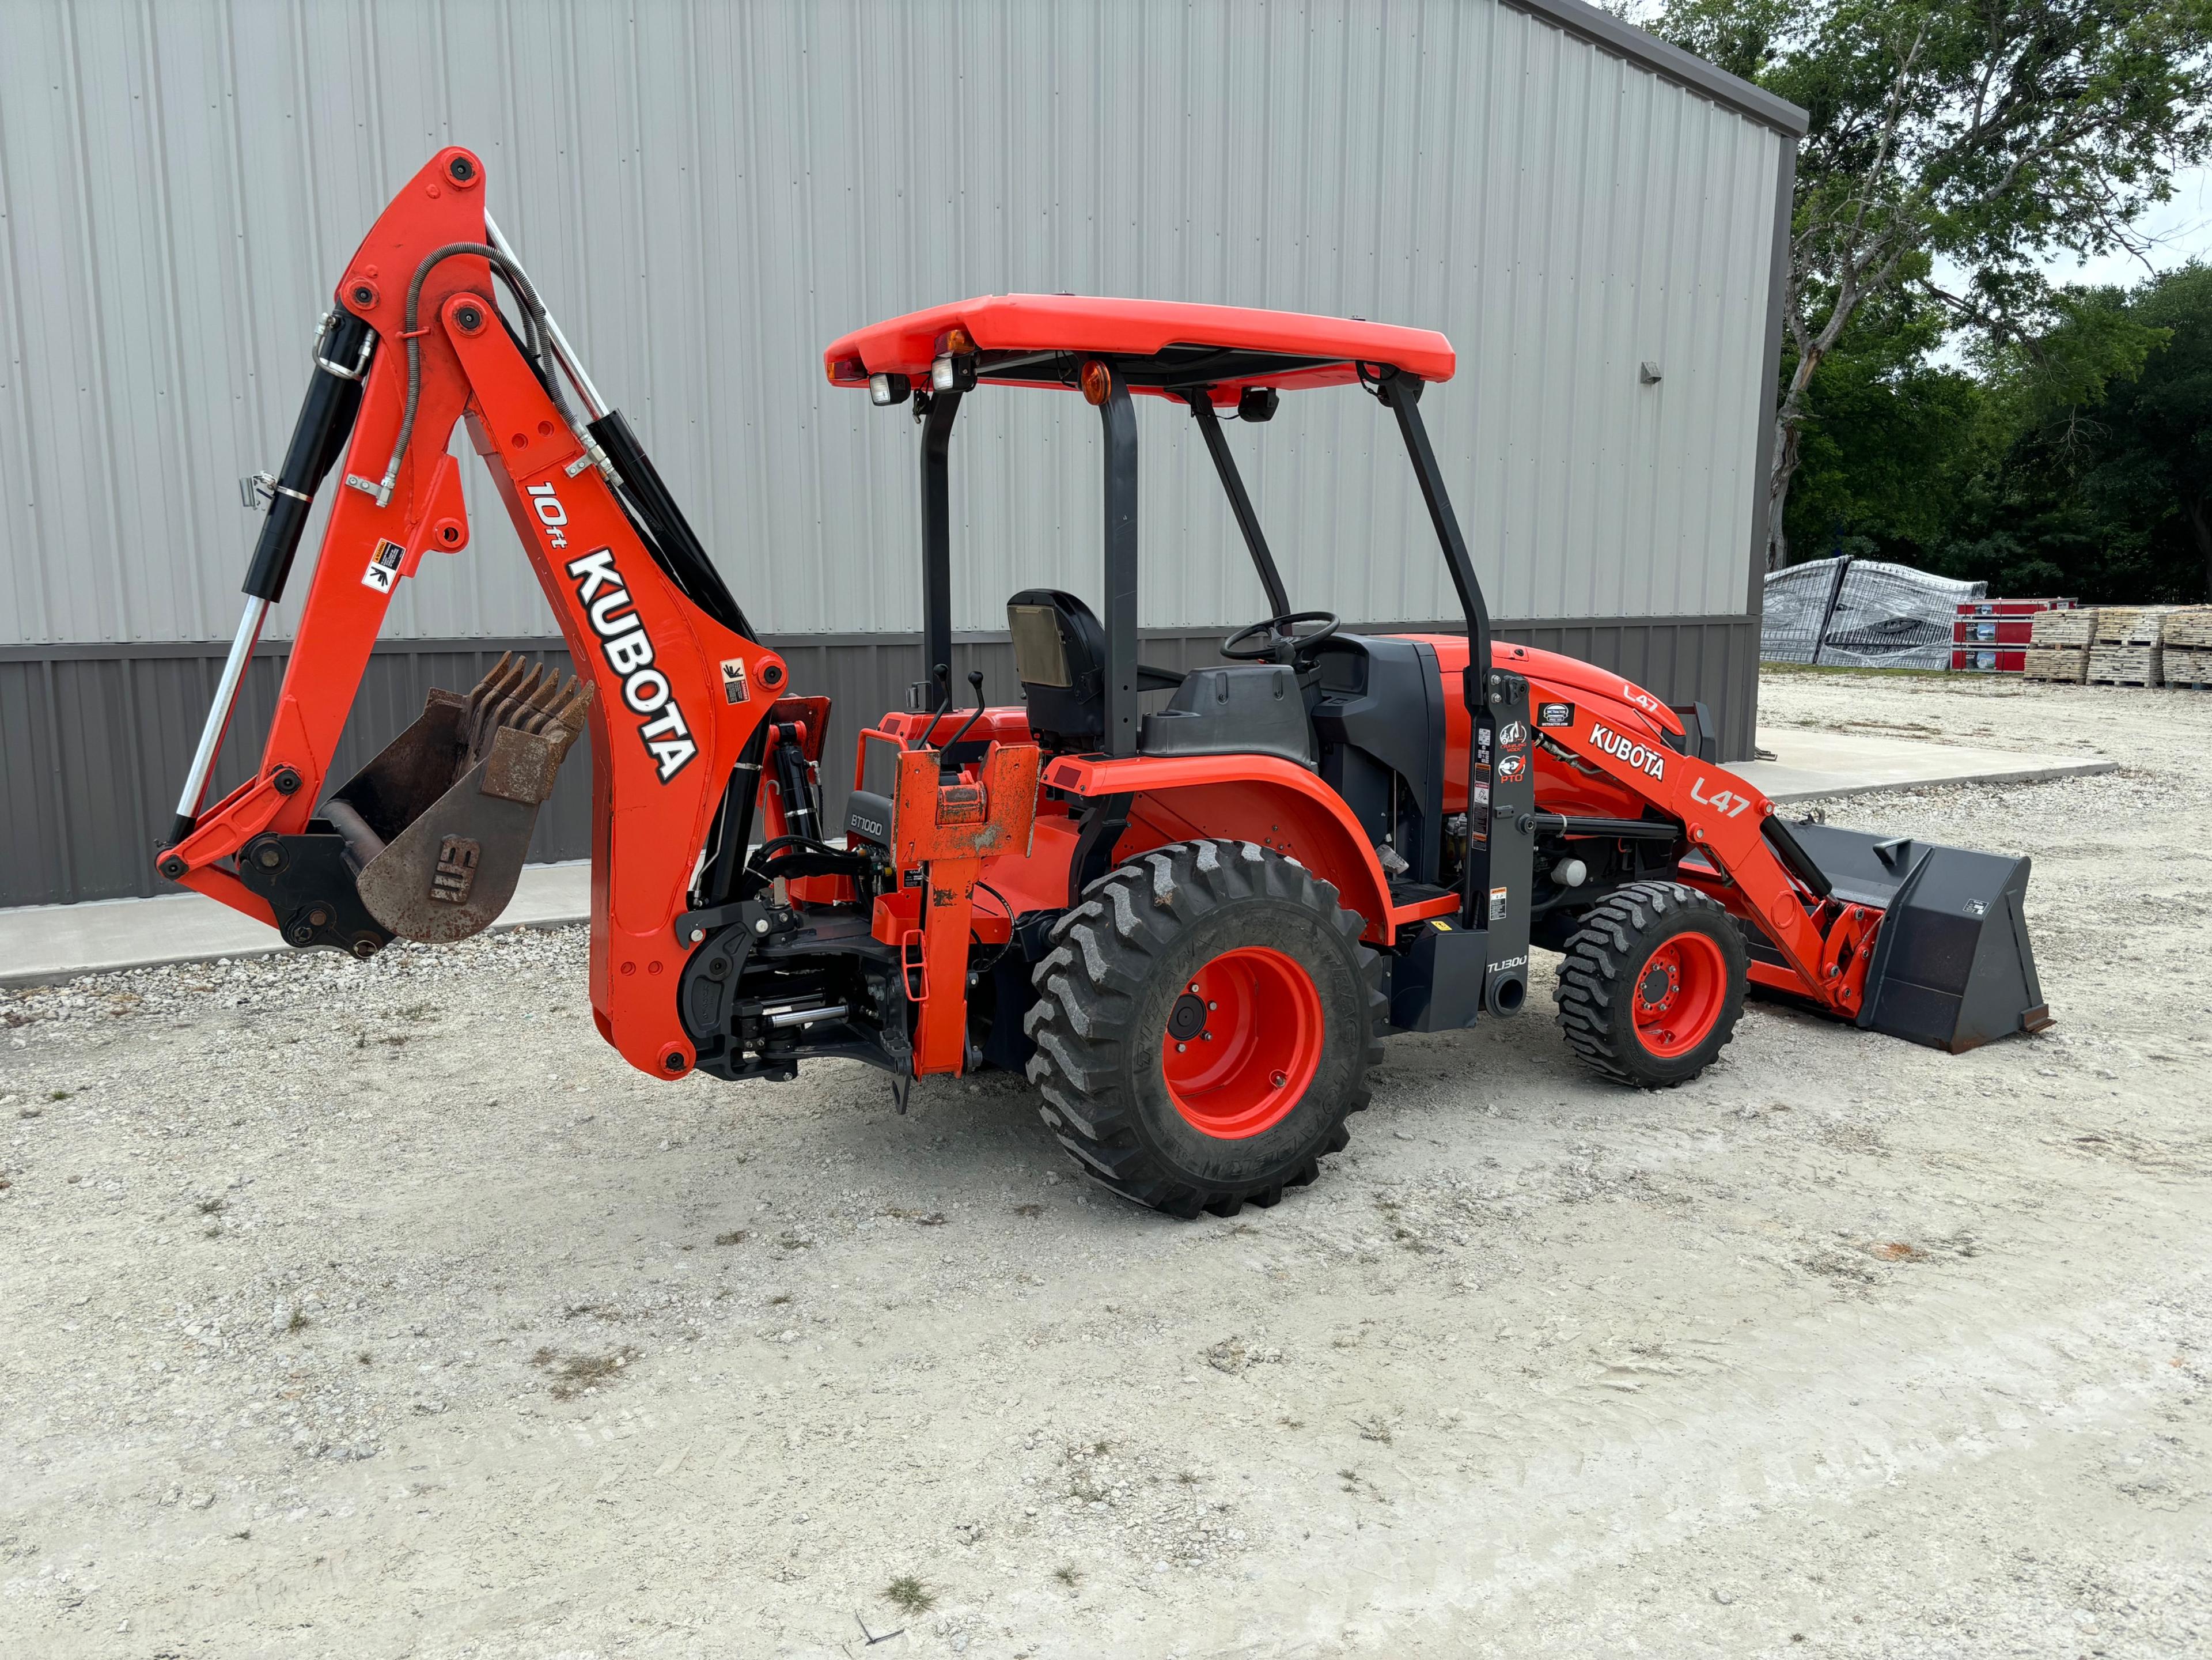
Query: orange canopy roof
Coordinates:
[1160,346]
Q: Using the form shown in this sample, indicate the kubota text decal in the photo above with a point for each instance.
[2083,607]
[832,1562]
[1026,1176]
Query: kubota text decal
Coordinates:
[629,651]
[1642,756]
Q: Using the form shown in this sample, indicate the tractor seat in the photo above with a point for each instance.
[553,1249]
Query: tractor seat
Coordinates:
[1060,657]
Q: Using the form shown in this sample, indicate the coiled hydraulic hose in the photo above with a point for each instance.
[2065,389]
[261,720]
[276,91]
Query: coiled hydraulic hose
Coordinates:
[534,320]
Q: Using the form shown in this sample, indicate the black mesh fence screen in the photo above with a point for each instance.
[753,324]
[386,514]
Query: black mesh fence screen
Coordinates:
[1861,613]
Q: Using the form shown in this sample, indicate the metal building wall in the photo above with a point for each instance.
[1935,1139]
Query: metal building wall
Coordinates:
[708,193]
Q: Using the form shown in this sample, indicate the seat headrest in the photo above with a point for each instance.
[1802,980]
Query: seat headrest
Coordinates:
[1057,640]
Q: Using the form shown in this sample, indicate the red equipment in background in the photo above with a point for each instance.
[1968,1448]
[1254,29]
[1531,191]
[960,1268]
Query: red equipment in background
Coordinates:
[1992,635]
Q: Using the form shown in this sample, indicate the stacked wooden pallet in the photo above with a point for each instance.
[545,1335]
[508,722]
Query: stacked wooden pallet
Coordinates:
[2058,646]
[2187,641]
[2130,650]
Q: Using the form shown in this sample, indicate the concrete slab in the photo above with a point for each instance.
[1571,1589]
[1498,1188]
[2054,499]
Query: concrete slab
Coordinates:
[1808,764]
[42,944]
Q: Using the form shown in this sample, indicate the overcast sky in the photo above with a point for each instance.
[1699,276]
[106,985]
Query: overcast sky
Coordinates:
[2182,229]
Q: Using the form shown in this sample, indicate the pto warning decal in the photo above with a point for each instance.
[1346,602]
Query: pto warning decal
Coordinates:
[1628,752]
[382,566]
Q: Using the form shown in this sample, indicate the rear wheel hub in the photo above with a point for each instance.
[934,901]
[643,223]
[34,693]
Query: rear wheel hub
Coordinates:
[1188,1018]
[1243,1042]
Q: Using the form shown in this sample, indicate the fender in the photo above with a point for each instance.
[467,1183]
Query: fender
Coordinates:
[1240,798]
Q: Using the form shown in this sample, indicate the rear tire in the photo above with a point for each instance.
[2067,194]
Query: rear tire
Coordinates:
[1204,1023]
[1652,984]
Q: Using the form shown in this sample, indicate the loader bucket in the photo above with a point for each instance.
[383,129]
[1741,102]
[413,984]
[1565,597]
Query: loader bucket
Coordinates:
[1952,965]
[437,826]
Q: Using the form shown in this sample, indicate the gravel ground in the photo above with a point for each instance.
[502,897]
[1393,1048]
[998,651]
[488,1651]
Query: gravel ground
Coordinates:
[377,1309]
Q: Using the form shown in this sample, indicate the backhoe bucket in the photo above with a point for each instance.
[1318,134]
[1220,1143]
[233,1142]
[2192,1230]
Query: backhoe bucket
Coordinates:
[437,826]
[1952,965]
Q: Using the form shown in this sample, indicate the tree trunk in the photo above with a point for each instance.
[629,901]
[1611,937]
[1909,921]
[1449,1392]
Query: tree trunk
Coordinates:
[1777,492]
[1789,419]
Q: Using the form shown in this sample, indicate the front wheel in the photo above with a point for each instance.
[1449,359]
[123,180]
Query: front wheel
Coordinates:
[1204,1023]
[1652,984]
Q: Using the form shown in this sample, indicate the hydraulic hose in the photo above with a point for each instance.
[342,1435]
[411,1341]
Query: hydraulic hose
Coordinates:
[533,311]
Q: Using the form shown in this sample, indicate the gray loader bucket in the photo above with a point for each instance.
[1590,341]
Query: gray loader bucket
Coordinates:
[1952,966]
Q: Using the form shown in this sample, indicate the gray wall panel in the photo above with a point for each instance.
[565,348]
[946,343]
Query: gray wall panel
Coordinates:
[709,193]
[92,743]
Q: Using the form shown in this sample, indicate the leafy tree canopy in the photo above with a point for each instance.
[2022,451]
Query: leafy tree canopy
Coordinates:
[1994,135]
[2077,460]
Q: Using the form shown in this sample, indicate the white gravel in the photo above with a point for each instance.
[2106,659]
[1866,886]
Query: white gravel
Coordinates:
[366,1309]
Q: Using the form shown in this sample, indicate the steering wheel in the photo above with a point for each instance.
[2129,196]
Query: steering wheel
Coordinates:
[1283,643]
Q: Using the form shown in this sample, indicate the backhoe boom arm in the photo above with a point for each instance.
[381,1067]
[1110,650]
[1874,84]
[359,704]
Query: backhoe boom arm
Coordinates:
[681,687]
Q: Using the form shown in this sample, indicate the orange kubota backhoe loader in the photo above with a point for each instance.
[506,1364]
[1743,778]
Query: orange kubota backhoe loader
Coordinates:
[1191,924]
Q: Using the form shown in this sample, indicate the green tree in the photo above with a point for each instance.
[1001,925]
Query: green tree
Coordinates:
[1992,134]
[1891,441]
[2157,447]
[2104,488]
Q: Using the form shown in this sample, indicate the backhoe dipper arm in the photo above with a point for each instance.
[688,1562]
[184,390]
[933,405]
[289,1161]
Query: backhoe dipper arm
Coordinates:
[681,687]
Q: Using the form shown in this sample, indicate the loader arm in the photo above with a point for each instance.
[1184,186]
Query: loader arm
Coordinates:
[1922,942]
[680,690]
[1739,852]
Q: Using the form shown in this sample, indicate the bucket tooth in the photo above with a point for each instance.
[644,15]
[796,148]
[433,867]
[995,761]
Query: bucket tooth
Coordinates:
[542,704]
[526,698]
[485,698]
[500,709]
[496,680]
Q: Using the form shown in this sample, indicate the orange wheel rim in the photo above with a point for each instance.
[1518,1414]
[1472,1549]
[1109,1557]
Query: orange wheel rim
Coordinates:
[1680,992]
[1244,1041]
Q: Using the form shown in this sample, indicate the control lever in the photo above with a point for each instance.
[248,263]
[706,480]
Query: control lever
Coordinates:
[942,675]
[975,685]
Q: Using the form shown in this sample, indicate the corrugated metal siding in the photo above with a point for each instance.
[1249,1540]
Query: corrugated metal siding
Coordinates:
[91,743]
[708,193]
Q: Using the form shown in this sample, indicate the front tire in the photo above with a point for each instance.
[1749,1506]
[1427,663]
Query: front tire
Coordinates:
[1204,1024]
[1652,984]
